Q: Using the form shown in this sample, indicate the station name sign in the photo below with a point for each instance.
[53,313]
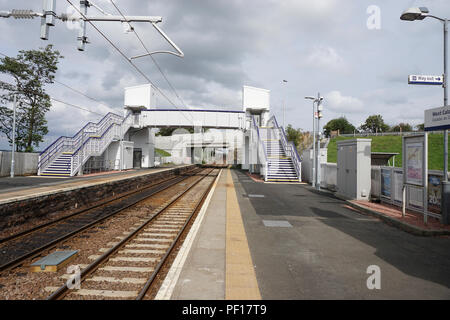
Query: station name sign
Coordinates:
[437,119]
[429,80]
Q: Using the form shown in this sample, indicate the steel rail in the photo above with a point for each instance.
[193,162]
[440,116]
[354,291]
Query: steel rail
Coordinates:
[123,195]
[33,253]
[62,291]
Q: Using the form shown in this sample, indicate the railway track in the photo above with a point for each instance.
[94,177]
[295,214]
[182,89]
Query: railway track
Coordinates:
[31,243]
[127,268]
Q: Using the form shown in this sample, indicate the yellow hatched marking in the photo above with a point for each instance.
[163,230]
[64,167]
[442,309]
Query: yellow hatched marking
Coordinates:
[240,277]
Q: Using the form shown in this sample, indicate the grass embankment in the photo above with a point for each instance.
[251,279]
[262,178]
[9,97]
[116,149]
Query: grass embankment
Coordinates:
[394,144]
[161,153]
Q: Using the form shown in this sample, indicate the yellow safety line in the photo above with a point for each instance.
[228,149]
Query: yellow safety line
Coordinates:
[240,277]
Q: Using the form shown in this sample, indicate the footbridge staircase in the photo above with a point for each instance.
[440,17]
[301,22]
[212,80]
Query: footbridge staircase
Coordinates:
[66,156]
[279,158]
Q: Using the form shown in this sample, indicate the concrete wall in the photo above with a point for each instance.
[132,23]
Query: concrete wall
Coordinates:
[25,163]
[111,156]
[144,140]
[328,176]
[307,163]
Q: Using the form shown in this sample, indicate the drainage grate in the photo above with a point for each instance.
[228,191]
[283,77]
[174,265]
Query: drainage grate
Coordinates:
[277,223]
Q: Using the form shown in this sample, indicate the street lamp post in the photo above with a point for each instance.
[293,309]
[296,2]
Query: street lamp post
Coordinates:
[319,115]
[284,104]
[419,14]
[316,155]
[314,144]
[13,137]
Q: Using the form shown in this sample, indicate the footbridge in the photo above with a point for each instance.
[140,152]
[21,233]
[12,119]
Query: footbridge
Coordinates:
[188,118]
[249,137]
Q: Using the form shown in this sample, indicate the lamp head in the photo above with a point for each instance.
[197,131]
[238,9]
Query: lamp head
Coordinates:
[311,98]
[415,14]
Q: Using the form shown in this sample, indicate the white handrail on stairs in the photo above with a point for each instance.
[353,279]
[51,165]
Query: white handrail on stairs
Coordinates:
[96,145]
[289,148]
[69,144]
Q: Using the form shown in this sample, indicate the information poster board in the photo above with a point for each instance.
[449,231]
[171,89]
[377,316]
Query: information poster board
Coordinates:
[398,184]
[414,163]
[415,171]
[386,179]
[434,193]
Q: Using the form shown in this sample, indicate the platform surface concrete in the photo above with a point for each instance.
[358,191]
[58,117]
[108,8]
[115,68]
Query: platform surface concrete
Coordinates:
[218,264]
[203,273]
[310,246]
[23,187]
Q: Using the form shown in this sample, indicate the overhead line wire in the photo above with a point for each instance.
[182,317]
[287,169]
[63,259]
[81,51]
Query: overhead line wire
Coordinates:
[71,88]
[120,52]
[55,99]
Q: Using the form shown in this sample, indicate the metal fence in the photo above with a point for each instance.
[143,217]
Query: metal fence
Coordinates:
[95,166]
[376,134]
[387,184]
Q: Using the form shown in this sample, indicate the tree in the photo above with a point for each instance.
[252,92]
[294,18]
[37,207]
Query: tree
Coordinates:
[375,123]
[402,127]
[302,140]
[293,135]
[420,127]
[31,71]
[341,124]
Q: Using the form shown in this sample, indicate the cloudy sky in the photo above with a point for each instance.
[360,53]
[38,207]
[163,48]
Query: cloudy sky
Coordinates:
[317,46]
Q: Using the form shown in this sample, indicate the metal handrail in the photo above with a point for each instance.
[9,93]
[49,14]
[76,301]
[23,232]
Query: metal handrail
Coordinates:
[80,131]
[289,147]
[84,152]
[67,144]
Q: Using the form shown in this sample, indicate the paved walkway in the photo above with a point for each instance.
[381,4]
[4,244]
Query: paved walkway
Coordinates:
[411,217]
[307,245]
[217,264]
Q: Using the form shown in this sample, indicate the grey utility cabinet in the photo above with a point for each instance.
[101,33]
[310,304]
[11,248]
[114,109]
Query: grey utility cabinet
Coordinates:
[353,169]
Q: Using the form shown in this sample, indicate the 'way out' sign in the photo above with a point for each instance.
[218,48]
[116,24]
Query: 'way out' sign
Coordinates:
[437,119]
[430,80]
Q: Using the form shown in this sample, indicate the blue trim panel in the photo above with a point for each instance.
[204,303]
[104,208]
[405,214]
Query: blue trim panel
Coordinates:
[428,83]
[195,110]
[438,128]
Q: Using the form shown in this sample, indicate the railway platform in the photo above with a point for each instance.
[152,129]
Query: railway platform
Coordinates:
[22,187]
[286,242]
